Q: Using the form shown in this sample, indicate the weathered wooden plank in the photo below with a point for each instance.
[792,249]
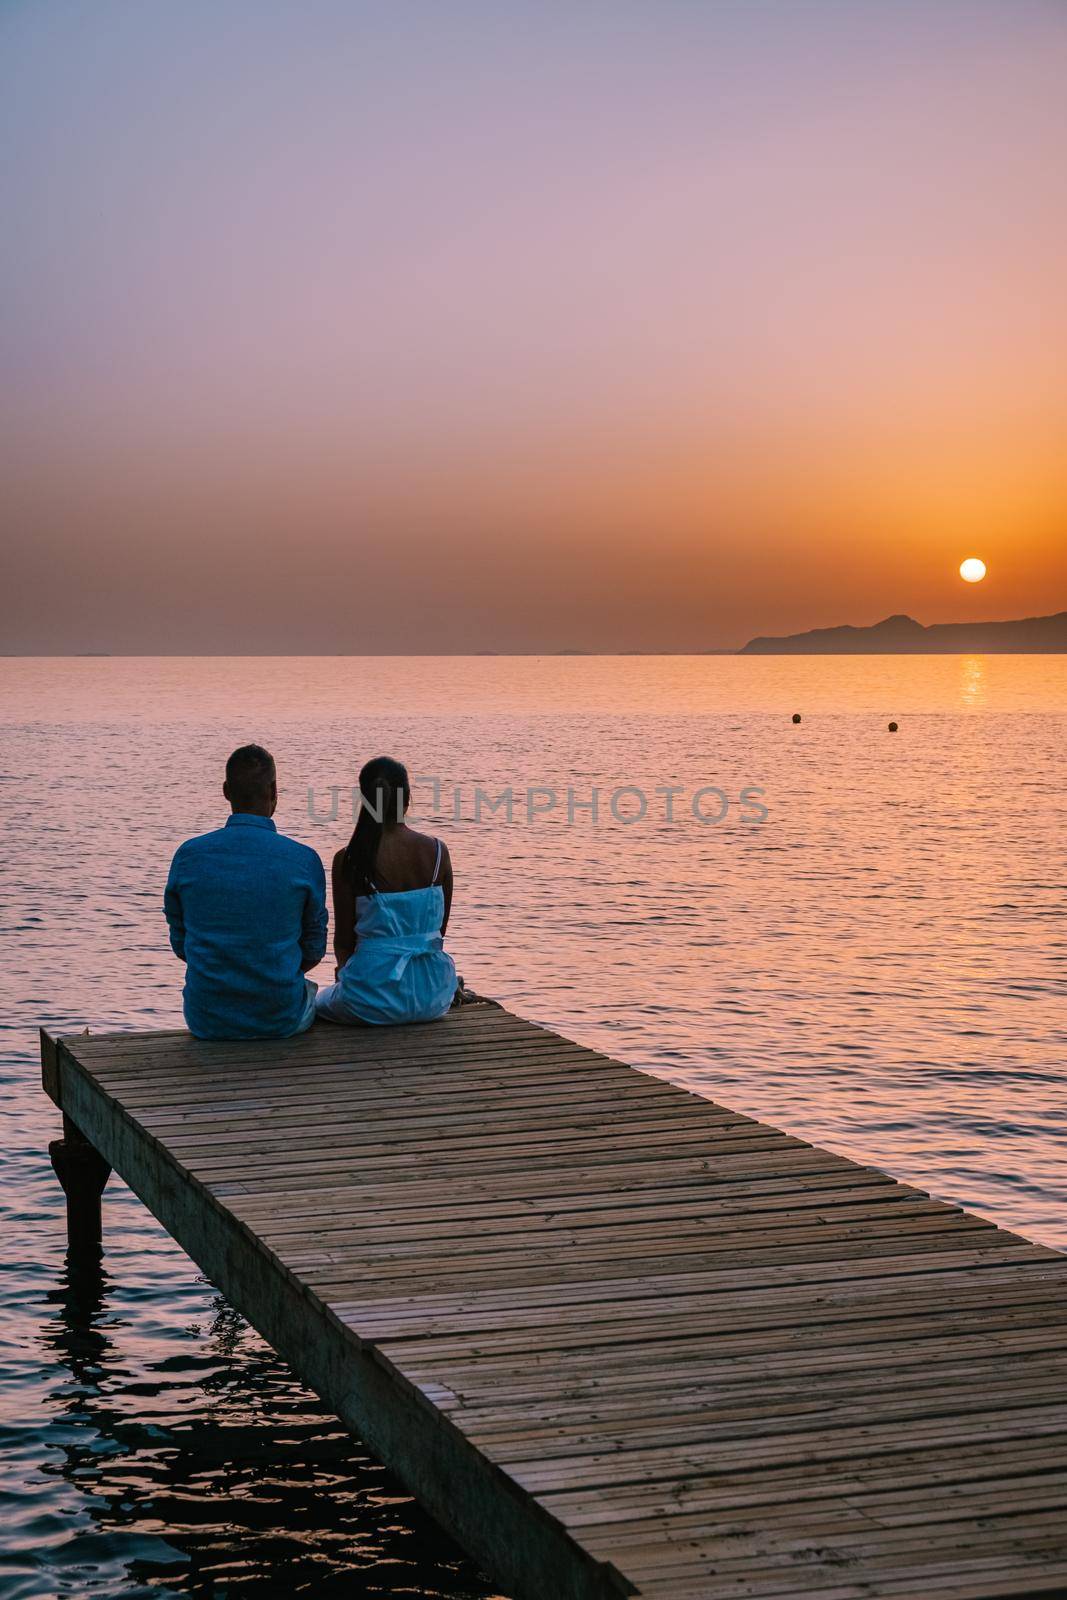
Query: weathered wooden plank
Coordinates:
[361,1098]
[610,1263]
[806,1306]
[910,1507]
[773,1194]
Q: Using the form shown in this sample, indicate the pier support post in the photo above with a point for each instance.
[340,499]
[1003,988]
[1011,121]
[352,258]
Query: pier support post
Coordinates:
[83,1172]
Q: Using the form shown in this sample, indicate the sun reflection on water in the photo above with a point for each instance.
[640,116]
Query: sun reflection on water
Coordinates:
[973,683]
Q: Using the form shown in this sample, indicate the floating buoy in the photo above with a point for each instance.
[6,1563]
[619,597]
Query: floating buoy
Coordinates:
[892,727]
[796,716]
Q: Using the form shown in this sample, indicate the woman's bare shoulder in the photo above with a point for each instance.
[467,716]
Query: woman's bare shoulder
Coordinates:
[426,845]
[339,858]
[426,840]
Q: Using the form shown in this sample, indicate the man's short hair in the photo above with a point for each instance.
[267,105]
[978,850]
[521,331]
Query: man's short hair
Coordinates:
[250,771]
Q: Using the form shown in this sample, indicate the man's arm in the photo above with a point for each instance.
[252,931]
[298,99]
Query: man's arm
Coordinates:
[316,919]
[172,909]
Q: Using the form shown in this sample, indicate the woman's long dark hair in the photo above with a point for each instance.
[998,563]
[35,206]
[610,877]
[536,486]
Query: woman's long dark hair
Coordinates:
[384,791]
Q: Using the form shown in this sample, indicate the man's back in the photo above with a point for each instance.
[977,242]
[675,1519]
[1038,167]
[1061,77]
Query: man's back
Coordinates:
[247,914]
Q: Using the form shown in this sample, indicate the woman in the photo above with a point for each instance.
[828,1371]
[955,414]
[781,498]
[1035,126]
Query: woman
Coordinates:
[392,892]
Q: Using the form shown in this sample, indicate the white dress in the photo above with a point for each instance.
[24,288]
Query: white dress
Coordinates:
[399,971]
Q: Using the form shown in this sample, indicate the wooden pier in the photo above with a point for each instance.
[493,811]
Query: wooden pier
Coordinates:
[617,1339]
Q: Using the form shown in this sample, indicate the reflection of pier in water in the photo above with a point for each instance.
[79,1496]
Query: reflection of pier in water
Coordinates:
[266,1491]
[617,1338]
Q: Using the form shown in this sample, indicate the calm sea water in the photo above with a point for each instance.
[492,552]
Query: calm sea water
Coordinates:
[879,965]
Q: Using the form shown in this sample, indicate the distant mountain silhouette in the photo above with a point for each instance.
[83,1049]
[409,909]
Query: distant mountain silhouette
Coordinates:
[902,635]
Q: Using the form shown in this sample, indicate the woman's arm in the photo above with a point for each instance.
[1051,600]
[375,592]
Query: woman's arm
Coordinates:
[344,912]
[445,880]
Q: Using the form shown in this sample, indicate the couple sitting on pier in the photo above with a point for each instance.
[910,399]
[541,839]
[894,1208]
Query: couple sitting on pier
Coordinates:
[247,913]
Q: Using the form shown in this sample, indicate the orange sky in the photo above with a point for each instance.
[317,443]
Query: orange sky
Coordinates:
[405,327]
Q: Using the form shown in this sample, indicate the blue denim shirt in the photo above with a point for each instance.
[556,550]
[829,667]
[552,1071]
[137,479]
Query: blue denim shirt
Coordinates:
[247,914]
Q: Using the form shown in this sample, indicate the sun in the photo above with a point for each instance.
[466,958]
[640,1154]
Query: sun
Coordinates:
[972,570]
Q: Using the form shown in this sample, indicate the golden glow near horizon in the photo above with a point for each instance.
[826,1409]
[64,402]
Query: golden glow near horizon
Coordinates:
[972,570]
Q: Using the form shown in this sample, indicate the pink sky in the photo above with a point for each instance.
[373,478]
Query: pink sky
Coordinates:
[404,326]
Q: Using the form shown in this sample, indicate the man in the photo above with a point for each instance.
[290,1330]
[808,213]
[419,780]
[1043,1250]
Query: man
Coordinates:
[247,914]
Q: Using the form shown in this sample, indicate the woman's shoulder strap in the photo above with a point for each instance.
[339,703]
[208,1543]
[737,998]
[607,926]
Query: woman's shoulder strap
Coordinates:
[436,864]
